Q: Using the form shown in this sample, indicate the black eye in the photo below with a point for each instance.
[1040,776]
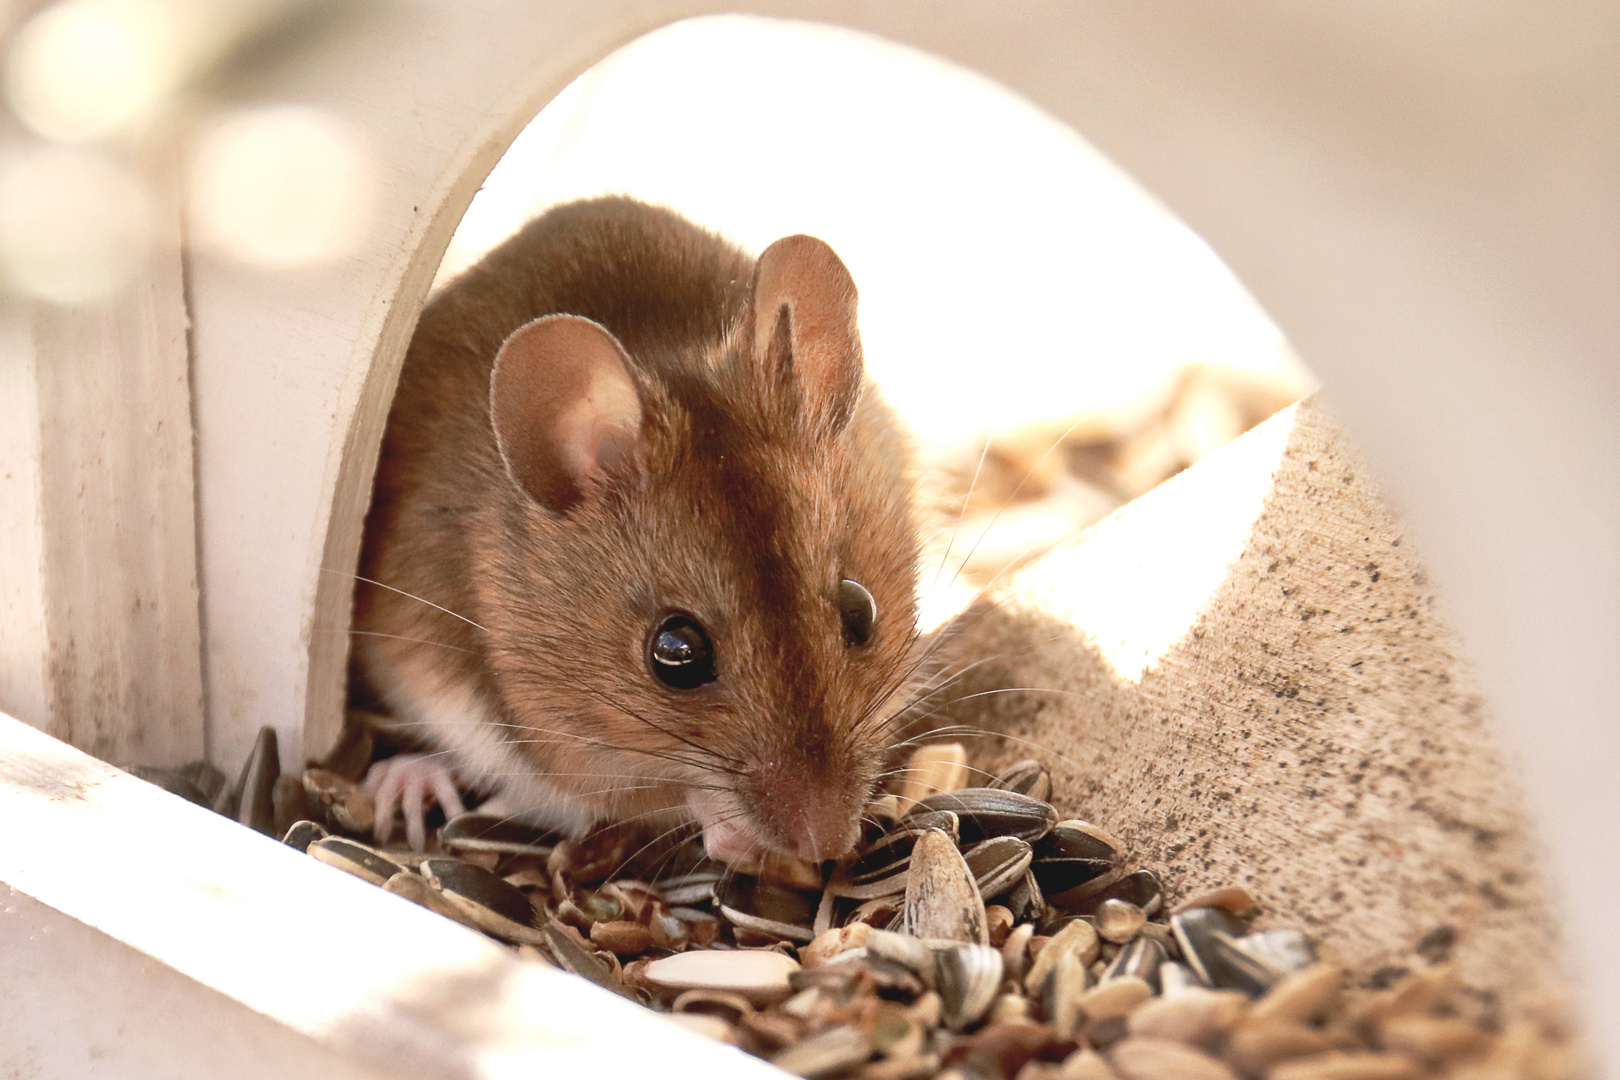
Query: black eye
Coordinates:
[679,653]
[858,610]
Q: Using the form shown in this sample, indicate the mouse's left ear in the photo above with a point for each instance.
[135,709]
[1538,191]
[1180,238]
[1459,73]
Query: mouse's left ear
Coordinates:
[806,344]
[565,410]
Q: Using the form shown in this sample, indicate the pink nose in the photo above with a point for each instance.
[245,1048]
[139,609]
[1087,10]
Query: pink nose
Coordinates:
[819,829]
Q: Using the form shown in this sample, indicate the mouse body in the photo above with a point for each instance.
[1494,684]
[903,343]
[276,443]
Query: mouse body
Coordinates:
[643,542]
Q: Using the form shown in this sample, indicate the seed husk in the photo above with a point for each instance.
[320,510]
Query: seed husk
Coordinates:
[302,834]
[356,858]
[1230,898]
[988,812]
[882,867]
[1302,995]
[487,900]
[1027,777]
[415,888]
[1140,959]
[1077,937]
[1433,1040]
[1160,1059]
[1343,1065]
[1259,1042]
[967,977]
[255,788]
[622,938]
[766,907]
[1197,1017]
[932,769]
[824,1054]
[1208,943]
[475,831]
[998,864]
[1283,950]
[1119,921]
[1025,900]
[942,899]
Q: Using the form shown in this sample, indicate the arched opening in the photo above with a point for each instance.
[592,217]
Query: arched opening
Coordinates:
[1021,297]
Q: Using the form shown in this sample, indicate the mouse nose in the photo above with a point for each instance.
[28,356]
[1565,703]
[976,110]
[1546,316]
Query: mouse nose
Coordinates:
[820,828]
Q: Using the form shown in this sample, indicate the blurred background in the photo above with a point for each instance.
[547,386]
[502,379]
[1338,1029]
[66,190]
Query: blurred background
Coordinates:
[1037,318]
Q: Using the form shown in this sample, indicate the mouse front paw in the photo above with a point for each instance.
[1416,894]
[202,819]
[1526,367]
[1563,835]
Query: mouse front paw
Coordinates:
[410,784]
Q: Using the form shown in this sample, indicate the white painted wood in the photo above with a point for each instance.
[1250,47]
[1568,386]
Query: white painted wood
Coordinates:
[101,643]
[23,646]
[1423,197]
[357,977]
[79,1005]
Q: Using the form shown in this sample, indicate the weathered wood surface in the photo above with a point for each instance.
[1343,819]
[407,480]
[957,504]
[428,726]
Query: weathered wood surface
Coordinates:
[145,893]
[1245,675]
[99,622]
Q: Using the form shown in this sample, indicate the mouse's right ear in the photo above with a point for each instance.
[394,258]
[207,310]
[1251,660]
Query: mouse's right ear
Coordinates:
[564,408]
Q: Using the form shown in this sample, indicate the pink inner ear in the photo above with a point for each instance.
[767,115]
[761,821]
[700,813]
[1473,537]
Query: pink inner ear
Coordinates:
[564,409]
[807,277]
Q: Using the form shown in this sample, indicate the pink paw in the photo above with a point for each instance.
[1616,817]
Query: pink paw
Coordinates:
[410,783]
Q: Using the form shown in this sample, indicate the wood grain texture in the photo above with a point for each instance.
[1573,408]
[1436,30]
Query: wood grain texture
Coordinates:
[111,516]
[1303,725]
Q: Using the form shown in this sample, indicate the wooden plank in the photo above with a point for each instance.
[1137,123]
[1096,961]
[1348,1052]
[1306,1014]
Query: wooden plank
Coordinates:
[136,1019]
[100,557]
[359,972]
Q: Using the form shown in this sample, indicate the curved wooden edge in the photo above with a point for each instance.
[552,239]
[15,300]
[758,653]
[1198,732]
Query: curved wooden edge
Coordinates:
[368,978]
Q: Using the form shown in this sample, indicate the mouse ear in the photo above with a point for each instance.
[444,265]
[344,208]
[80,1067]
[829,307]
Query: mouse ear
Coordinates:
[805,341]
[564,408]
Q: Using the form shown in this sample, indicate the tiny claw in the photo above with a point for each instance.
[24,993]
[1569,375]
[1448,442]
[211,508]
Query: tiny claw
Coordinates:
[410,783]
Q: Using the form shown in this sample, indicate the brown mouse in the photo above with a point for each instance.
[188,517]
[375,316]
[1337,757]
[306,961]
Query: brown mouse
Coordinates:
[642,542]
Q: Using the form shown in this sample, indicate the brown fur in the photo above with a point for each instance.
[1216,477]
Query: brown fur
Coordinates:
[744,510]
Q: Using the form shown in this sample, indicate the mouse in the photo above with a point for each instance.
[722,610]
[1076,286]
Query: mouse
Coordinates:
[643,542]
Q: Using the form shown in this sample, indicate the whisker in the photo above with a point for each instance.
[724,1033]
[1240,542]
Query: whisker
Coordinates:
[402,592]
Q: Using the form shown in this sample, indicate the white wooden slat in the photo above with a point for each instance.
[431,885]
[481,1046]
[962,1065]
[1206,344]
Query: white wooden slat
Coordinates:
[99,557]
[361,973]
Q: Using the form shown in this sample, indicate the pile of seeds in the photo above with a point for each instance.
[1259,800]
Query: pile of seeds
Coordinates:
[972,935]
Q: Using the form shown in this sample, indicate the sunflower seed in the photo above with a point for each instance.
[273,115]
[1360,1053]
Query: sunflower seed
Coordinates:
[1028,777]
[1196,1017]
[997,864]
[1285,950]
[942,900]
[1302,995]
[302,834]
[1177,978]
[415,888]
[988,812]
[759,975]
[1340,1065]
[766,907]
[1208,943]
[1139,960]
[835,1049]
[1026,901]
[1075,853]
[356,858]
[574,954]
[1159,1059]
[492,904]
[690,888]
[1077,937]
[967,978]
[476,831]
[1258,1043]
[1119,921]
[881,869]
[255,804]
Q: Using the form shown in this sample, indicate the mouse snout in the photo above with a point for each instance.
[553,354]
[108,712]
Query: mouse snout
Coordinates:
[811,822]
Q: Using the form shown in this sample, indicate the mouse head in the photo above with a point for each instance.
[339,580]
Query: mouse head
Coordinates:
[719,533]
